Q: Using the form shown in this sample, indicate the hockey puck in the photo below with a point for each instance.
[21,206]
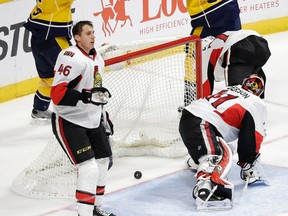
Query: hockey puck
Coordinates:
[137,175]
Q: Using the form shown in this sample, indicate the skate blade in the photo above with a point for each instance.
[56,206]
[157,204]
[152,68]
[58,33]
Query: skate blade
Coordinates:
[214,205]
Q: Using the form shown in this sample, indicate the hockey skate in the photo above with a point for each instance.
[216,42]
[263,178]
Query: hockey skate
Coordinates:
[40,117]
[99,212]
[254,173]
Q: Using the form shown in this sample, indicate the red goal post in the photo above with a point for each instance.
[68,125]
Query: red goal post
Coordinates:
[146,80]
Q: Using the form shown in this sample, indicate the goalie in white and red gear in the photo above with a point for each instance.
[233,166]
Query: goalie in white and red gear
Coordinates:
[233,113]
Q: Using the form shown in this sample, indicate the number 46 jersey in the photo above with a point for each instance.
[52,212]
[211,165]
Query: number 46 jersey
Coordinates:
[76,70]
[235,113]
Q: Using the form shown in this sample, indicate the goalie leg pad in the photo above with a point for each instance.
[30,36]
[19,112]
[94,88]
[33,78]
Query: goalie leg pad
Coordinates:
[213,171]
[222,169]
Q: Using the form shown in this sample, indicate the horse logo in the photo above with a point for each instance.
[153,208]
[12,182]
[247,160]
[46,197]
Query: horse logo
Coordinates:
[115,12]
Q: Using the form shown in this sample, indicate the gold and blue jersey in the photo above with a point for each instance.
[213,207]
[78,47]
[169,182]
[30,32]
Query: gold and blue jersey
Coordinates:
[50,19]
[213,13]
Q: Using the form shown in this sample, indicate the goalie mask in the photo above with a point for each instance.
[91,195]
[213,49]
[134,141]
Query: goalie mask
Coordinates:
[254,84]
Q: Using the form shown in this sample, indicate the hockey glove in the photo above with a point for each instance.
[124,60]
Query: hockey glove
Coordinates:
[108,125]
[97,96]
[100,96]
[253,172]
[85,96]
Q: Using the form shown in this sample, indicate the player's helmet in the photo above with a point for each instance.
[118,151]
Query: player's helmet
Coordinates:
[254,84]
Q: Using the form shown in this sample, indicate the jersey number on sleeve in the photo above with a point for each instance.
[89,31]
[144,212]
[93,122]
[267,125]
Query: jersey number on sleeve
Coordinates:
[65,70]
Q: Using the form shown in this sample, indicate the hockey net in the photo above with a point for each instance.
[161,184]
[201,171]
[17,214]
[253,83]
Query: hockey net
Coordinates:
[147,86]
[146,80]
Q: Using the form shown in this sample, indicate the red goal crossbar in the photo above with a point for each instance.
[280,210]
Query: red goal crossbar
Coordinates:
[164,46]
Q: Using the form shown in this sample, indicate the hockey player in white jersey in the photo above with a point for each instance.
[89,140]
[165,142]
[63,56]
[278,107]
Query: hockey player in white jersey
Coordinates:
[78,97]
[232,56]
[208,124]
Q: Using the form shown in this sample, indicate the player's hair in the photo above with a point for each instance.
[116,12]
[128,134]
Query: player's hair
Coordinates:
[254,84]
[77,28]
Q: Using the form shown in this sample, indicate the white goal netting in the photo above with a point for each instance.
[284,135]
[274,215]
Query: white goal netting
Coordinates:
[146,80]
[147,89]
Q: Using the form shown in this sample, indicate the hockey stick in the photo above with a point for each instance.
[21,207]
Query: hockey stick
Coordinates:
[246,183]
[105,121]
[104,115]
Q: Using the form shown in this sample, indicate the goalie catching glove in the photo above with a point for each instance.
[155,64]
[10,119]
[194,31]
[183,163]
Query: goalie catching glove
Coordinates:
[97,96]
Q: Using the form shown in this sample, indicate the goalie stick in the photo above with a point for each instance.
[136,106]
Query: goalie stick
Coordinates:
[105,122]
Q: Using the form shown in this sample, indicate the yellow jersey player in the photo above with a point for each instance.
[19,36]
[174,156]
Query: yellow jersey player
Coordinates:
[50,23]
[213,17]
